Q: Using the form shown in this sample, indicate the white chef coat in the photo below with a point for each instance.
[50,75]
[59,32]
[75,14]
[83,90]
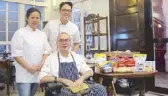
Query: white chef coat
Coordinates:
[51,65]
[31,46]
[54,27]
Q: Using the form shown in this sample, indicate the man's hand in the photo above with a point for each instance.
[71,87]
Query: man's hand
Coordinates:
[67,82]
[78,82]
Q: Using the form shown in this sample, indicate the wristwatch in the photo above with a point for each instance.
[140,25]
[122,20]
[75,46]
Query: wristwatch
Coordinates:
[55,79]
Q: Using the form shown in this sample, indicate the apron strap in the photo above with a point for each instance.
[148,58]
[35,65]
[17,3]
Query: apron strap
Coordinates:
[71,56]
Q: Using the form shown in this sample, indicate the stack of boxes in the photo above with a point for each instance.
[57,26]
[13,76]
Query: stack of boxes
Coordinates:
[120,61]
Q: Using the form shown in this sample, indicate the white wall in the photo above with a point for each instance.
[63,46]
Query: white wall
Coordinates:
[54,14]
[101,7]
[95,7]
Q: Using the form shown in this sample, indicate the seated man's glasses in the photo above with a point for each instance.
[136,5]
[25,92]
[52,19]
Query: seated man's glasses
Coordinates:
[63,40]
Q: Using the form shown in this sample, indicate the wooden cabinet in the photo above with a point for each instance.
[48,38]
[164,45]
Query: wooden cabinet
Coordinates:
[95,35]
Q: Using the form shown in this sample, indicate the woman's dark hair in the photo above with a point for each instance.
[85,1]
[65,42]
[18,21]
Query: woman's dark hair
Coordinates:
[63,3]
[31,10]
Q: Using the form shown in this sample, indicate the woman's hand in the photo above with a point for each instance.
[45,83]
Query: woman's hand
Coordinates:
[33,68]
[39,66]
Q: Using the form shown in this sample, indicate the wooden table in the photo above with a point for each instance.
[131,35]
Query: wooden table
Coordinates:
[5,64]
[140,75]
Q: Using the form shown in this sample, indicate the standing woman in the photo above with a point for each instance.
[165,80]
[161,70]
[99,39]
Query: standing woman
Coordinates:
[29,48]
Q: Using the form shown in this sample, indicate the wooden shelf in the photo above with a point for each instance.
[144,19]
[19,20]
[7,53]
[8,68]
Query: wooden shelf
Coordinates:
[96,51]
[96,34]
[94,21]
[90,21]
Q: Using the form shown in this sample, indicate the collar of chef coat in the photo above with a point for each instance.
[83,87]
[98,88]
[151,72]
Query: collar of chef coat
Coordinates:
[30,29]
[60,23]
[62,57]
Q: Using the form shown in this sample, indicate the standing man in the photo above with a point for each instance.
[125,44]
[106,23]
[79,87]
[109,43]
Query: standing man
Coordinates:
[63,24]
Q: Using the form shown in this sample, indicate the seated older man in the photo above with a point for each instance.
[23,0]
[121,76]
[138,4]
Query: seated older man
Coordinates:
[64,66]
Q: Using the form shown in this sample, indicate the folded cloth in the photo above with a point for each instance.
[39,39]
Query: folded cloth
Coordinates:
[79,89]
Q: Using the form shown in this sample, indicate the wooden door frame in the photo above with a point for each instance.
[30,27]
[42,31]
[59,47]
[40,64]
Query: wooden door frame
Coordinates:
[149,45]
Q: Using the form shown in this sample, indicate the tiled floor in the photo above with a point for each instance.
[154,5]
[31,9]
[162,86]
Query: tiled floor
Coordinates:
[148,94]
[38,93]
[161,79]
[15,93]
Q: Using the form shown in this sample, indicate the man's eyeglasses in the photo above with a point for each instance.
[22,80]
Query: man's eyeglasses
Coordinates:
[66,10]
[63,40]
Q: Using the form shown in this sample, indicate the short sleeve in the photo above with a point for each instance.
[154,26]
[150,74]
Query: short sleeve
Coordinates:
[17,44]
[84,67]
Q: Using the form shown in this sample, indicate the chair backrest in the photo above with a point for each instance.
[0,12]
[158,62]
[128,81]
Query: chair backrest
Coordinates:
[2,79]
[6,54]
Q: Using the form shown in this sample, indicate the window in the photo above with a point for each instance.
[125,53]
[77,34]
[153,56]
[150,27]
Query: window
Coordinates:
[39,0]
[8,22]
[12,19]
[76,18]
[2,48]
[27,7]
[2,21]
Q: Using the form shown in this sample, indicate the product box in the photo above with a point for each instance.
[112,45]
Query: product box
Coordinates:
[120,53]
[150,66]
[100,57]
